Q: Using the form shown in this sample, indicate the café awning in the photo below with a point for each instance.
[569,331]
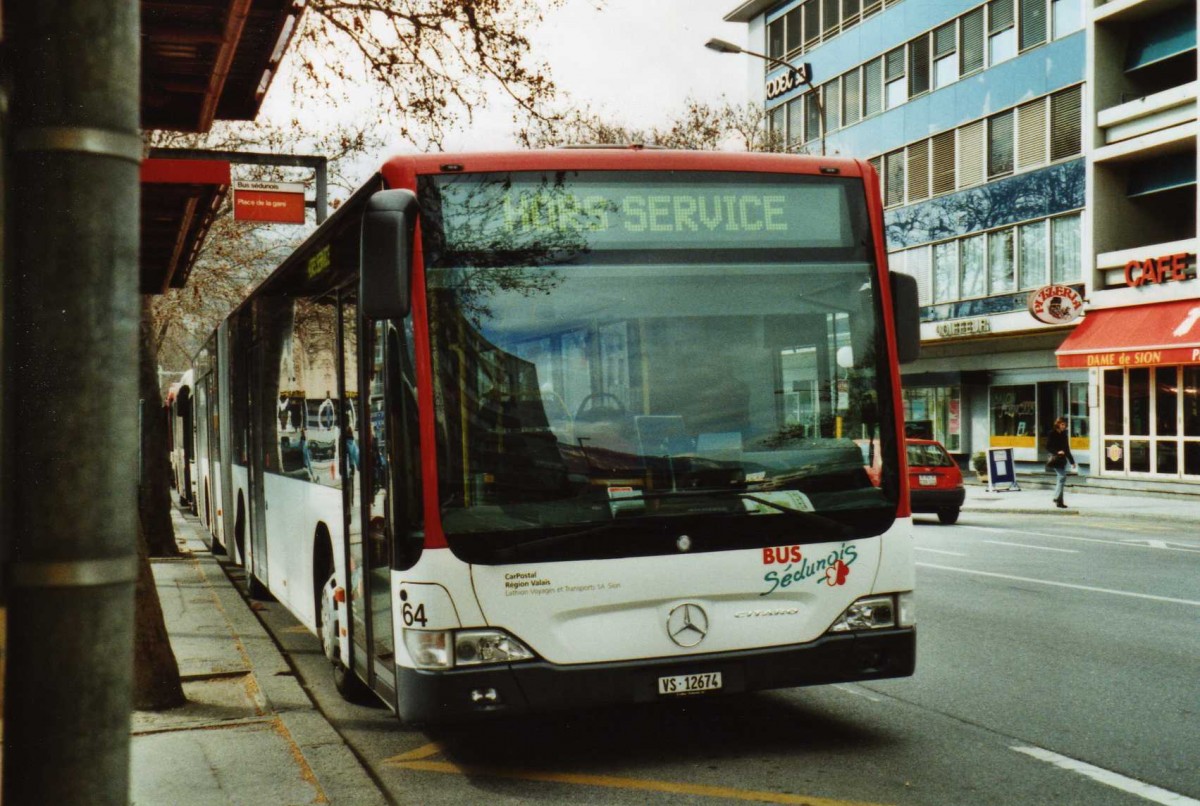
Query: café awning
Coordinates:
[1141,335]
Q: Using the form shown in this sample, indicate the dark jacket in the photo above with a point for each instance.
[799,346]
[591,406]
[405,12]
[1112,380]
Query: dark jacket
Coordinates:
[1059,441]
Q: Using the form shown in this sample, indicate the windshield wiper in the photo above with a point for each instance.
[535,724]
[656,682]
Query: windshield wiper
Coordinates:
[808,517]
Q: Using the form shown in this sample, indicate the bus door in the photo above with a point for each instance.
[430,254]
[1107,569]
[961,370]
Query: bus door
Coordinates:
[261,407]
[369,520]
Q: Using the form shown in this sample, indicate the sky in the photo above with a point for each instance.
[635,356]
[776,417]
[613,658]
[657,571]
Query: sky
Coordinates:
[634,60]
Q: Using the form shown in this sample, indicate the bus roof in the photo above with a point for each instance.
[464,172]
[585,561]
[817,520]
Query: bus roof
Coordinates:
[401,170]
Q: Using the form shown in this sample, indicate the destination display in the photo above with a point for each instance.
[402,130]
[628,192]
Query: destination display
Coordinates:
[604,211]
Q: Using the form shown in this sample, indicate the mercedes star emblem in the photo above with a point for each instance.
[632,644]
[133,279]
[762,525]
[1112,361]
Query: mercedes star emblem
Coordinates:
[687,624]
[683,543]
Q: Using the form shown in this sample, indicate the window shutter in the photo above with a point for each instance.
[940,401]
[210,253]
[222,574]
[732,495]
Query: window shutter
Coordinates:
[1033,23]
[970,154]
[831,97]
[1000,15]
[1031,134]
[871,7]
[877,164]
[850,11]
[971,55]
[777,122]
[918,65]
[851,98]
[1000,145]
[895,65]
[918,171]
[920,265]
[873,87]
[943,163]
[812,116]
[1066,123]
[944,40]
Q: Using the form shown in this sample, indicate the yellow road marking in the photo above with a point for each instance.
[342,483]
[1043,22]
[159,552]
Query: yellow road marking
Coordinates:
[613,782]
[422,752]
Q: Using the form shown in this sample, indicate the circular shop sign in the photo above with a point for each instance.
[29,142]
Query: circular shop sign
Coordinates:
[1055,304]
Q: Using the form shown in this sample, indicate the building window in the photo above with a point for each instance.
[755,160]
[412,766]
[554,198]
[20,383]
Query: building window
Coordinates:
[851,98]
[895,88]
[831,96]
[943,163]
[893,178]
[945,55]
[812,116]
[795,116]
[873,87]
[1000,145]
[830,19]
[971,53]
[1067,260]
[1066,123]
[775,39]
[1067,17]
[850,12]
[939,408]
[970,154]
[1032,256]
[1000,262]
[945,271]
[1143,411]
[1002,31]
[918,171]
[974,271]
[794,33]
[812,23]
[777,124]
[1032,134]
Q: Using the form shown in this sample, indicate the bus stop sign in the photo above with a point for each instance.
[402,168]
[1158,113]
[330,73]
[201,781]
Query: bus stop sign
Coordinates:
[278,202]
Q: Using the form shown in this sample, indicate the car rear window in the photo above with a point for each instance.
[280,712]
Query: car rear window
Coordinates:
[928,456]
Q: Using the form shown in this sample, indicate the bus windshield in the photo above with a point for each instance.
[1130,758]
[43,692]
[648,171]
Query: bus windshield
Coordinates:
[638,363]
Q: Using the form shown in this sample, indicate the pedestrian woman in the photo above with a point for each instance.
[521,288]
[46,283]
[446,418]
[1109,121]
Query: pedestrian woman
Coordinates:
[1058,445]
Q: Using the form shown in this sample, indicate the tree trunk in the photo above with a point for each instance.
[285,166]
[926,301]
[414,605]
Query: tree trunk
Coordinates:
[154,494]
[156,684]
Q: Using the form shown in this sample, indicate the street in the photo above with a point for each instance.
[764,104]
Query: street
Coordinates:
[1056,664]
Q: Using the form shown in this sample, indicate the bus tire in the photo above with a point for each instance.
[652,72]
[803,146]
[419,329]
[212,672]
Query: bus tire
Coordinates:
[347,683]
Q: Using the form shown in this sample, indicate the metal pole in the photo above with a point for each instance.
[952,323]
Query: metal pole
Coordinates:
[71,364]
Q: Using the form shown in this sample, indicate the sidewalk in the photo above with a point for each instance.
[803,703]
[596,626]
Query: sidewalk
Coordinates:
[1037,499]
[249,733]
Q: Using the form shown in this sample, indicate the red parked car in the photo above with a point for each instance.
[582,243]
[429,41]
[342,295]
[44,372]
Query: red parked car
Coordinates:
[934,481]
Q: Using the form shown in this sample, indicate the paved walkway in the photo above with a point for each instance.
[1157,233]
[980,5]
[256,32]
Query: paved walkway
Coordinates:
[249,734]
[1037,499]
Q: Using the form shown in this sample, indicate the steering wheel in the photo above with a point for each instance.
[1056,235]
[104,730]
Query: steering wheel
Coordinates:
[589,406]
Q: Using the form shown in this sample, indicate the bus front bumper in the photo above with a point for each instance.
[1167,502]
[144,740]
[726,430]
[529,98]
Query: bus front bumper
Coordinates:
[537,686]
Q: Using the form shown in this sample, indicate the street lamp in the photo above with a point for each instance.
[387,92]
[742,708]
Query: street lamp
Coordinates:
[803,74]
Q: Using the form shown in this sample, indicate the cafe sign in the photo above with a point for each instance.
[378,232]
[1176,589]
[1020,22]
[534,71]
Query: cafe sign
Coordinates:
[1158,270]
[1055,304]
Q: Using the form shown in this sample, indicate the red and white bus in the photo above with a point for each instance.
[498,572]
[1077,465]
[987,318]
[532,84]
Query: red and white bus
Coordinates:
[526,431]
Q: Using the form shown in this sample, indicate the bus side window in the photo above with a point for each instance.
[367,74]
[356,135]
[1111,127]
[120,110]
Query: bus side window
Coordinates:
[408,503]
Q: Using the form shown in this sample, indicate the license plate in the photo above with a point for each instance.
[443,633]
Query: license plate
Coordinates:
[689,683]
[927,480]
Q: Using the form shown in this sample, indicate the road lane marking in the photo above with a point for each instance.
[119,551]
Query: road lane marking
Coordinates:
[940,551]
[1132,786]
[1122,542]
[1149,596]
[637,784]
[416,754]
[1027,546]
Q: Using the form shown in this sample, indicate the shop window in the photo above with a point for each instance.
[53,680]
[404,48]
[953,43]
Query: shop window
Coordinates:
[1139,402]
[1191,401]
[1114,401]
[1014,411]
[1166,457]
[940,408]
[1078,421]
[1139,456]
[1191,458]
[1166,401]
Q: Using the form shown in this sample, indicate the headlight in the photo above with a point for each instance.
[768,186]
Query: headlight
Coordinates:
[869,613]
[475,647]
[445,649]
[908,609]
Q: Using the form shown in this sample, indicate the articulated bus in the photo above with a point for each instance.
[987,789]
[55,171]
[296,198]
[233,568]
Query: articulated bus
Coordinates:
[566,428]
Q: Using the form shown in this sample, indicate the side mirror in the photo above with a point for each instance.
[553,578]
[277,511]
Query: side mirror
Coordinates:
[385,271]
[906,313]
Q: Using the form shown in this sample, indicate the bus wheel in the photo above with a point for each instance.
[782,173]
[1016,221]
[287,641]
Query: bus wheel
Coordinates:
[328,630]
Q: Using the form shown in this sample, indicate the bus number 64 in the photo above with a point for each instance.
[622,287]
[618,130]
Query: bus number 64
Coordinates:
[412,615]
